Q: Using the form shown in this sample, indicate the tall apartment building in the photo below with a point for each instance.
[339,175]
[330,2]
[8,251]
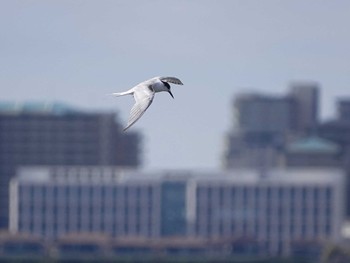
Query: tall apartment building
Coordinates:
[54,134]
[274,209]
[306,97]
[262,118]
[344,110]
[338,129]
[265,124]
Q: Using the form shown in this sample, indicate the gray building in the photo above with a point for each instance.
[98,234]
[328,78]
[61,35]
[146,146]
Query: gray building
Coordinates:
[344,109]
[274,209]
[55,134]
[261,118]
[306,97]
[265,124]
[337,130]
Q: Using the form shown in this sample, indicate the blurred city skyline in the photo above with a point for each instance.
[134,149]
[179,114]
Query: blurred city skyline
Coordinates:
[79,51]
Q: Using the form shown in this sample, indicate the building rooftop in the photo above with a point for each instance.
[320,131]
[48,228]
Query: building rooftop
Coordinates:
[112,175]
[313,144]
[30,107]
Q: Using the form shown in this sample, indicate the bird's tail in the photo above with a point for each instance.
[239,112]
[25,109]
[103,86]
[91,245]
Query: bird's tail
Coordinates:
[118,94]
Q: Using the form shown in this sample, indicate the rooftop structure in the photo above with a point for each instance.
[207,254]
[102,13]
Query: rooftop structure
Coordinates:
[313,144]
[313,152]
[52,108]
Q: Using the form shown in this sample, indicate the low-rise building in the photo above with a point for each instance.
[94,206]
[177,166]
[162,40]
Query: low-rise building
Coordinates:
[270,209]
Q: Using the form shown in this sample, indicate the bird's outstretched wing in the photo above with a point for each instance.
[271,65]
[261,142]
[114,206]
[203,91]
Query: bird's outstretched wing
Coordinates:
[171,80]
[143,99]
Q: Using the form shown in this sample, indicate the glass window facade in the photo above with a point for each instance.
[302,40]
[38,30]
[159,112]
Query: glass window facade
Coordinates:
[173,208]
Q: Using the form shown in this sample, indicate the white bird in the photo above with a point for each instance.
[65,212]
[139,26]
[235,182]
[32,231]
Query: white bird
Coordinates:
[144,93]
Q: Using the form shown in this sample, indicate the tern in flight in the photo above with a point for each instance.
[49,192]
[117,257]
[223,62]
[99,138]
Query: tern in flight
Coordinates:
[144,93]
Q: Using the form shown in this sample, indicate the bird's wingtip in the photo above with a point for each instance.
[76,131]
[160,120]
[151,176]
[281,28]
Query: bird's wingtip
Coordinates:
[126,127]
[172,80]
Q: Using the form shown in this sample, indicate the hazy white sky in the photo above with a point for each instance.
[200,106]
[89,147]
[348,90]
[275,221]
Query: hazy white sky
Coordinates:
[78,51]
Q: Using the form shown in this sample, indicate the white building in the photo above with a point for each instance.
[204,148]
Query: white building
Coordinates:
[274,210]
